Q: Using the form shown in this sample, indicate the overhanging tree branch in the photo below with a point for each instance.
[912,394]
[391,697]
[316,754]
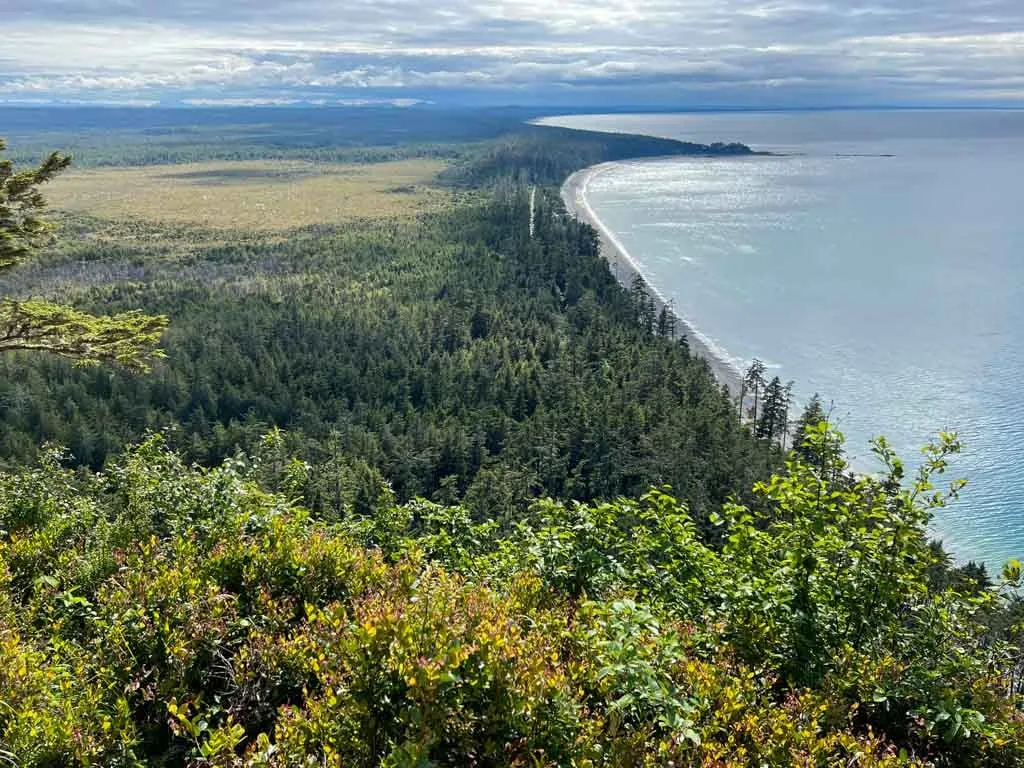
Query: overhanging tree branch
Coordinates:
[127,339]
[22,227]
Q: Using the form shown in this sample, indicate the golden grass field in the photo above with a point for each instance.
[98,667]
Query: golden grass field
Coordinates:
[252,195]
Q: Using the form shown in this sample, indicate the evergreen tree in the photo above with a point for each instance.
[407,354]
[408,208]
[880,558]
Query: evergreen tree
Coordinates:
[788,399]
[773,411]
[128,338]
[753,381]
[639,290]
[644,303]
[650,314]
[813,415]
[666,324]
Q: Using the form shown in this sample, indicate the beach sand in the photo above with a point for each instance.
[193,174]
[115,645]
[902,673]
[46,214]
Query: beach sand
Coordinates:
[574,195]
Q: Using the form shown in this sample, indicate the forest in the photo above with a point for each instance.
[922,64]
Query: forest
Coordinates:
[445,355]
[107,136]
[433,489]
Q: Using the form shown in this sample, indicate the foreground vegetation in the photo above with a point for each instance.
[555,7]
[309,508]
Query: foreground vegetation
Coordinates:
[509,520]
[156,614]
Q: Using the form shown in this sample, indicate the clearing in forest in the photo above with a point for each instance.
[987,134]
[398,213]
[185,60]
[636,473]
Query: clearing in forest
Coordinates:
[253,195]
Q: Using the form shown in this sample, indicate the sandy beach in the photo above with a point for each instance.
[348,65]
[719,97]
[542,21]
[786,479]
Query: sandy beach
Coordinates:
[574,195]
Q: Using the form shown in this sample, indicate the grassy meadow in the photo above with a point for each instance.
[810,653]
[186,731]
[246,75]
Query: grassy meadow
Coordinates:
[258,195]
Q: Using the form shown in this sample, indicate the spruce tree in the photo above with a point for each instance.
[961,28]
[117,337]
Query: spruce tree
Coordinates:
[128,338]
[753,381]
[788,401]
[773,410]
[813,415]
[666,324]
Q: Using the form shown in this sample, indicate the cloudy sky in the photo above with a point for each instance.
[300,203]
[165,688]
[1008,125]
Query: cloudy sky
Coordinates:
[573,52]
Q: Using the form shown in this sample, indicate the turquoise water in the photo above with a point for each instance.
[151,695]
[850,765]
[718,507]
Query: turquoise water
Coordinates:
[893,286]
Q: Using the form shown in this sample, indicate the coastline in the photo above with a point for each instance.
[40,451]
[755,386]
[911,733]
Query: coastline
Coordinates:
[574,195]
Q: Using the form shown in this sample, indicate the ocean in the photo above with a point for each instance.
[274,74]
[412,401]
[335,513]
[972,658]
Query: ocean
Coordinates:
[880,263]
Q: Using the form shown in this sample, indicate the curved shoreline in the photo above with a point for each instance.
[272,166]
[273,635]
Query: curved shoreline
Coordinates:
[574,195]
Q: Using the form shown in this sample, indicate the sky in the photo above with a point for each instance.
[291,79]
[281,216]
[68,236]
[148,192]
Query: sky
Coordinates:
[684,53]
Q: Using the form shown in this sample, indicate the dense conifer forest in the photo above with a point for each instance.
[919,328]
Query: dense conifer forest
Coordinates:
[435,490]
[451,356]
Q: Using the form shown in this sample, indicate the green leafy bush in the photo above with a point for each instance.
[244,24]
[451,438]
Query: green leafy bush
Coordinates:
[160,614]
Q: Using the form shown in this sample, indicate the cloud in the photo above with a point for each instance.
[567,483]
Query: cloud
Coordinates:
[698,51]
